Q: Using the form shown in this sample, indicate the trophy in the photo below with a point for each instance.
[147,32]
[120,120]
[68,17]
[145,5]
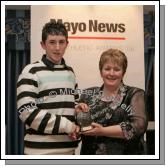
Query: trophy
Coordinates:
[84,121]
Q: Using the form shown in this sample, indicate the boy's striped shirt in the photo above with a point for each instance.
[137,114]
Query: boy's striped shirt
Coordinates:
[45,101]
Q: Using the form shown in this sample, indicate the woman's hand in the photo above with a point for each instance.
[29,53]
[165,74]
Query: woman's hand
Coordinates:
[81,107]
[96,131]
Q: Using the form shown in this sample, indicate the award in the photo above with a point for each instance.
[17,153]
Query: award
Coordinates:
[84,121]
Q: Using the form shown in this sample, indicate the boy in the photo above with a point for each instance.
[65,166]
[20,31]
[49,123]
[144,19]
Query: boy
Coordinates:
[45,100]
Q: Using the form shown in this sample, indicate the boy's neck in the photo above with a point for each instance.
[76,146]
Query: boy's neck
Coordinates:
[57,63]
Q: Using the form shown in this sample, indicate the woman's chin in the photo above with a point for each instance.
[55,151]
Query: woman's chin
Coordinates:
[112,84]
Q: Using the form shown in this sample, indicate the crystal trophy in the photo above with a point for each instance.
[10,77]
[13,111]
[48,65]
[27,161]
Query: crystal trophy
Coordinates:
[84,121]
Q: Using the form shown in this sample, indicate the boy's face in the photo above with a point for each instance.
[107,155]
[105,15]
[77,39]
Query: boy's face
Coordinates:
[55,46]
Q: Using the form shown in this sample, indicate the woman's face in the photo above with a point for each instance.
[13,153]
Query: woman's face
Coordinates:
[112,74]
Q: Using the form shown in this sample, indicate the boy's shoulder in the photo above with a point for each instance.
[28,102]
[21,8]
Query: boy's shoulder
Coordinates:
[69,68]
[30,66]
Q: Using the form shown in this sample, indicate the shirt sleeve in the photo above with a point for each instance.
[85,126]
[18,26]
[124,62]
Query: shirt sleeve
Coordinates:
[31,114]
[136,123]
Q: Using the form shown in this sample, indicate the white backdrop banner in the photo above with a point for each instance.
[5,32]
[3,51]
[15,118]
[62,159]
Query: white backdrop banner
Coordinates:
[92,30]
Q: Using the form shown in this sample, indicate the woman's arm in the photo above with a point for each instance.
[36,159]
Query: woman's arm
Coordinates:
[137,122]
[134,126]
[110,131]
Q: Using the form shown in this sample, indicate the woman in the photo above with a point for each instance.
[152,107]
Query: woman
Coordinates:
[117,111]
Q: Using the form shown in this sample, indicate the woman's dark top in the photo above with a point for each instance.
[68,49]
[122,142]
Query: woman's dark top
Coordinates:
[126,110]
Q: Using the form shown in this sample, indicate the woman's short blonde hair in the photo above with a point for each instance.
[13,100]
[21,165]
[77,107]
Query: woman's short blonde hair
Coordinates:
[114,55]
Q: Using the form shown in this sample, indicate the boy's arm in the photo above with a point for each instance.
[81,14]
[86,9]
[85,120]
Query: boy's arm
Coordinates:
[29,112]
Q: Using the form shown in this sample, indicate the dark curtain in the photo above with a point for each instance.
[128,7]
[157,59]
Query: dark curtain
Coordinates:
[149,46]
[17,55]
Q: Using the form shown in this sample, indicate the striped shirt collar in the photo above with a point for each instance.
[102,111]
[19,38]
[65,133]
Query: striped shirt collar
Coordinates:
[50,64]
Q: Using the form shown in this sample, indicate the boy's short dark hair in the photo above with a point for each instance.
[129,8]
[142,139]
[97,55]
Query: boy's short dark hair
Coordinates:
[54,28]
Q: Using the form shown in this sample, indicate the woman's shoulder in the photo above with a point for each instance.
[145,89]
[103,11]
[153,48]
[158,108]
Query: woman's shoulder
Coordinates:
[132,92]
[133,89]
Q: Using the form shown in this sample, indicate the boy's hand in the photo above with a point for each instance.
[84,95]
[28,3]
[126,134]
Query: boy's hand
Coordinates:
[75,134]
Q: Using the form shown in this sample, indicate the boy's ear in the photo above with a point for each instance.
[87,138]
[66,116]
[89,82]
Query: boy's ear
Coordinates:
[42,44]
